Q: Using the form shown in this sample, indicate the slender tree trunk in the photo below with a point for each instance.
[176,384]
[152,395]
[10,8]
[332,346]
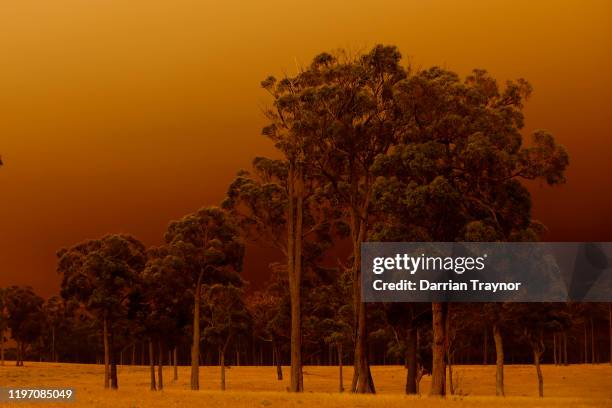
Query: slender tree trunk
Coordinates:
[438,375]
[152,365]
[106,352]
[298,266]
[555,348]
[449,351]
[174,360]
[133,359]
[294,244]
[195,344]
[340,369]
[160,367]
[420,372]
[222,364]
[277,361]
[451,385]
[362,380]
[499,361]
[294,341]
[411,363]
[536,360]
[113,364]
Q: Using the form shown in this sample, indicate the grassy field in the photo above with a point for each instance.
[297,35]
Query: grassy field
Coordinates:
[572,386]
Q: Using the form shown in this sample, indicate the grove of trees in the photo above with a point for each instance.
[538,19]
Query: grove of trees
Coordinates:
[369,150]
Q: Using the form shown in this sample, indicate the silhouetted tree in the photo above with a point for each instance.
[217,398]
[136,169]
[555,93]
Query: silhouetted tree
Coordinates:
[210,250]
[262,204]
[271,313]
[226,317]
[102,275]
[334,117]
[25,318]
[165,306]
[533,320]
[54,309]
[456,174]
[338,333]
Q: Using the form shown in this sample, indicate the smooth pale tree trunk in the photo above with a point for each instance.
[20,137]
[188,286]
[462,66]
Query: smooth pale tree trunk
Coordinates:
[195,344]
[340,369]
[174,361]
[499,361]
[411,363]
[160,367]
[106,352]
[438,374]
[294,251]
[152,365]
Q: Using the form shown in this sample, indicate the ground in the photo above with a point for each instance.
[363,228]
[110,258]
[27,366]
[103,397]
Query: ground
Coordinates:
[571,386]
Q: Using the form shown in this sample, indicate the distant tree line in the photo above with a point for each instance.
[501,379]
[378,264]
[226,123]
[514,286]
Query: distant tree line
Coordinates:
[370,150]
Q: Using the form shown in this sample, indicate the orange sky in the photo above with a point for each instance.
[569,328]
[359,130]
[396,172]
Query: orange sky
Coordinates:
[117,116]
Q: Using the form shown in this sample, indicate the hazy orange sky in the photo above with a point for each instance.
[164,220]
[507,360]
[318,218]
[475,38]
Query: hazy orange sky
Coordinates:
[118,116]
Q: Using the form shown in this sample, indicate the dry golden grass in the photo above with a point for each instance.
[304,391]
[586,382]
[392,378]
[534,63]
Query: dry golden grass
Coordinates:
[572,386]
